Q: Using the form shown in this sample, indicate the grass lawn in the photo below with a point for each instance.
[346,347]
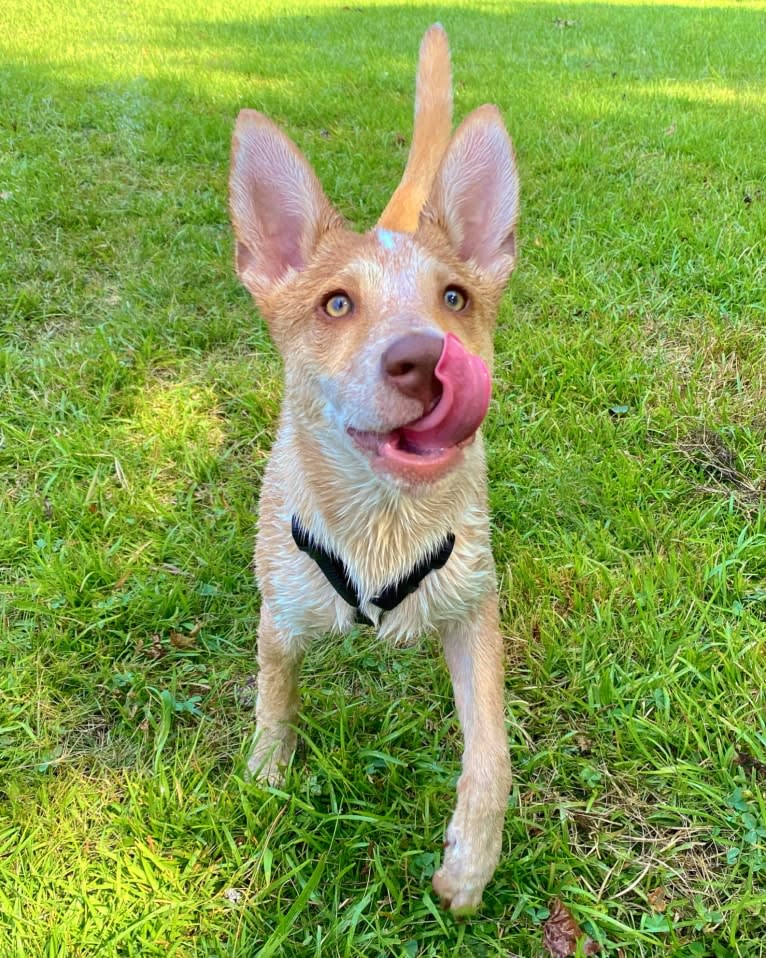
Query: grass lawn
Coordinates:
[627,444]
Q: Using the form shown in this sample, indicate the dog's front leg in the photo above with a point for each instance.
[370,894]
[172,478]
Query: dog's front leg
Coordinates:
[474,654]
[279,662]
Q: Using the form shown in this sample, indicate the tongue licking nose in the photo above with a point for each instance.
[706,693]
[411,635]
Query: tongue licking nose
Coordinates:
[465,388]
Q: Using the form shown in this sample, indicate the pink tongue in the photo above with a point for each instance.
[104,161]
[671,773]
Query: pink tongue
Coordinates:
[464,401]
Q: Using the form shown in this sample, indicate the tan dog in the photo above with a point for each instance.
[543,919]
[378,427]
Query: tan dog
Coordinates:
[373,505]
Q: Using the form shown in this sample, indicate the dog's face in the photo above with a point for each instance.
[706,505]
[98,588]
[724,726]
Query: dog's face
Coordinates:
[386,337]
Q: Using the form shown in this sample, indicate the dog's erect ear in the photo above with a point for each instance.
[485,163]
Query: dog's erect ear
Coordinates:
[278,208]
[475,197]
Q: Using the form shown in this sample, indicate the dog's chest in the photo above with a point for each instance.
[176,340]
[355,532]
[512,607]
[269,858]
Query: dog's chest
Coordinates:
[304,602]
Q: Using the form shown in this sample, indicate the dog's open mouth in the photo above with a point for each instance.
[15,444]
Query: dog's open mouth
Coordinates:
[429,446]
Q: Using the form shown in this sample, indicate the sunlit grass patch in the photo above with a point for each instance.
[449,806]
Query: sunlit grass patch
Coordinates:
[178,429]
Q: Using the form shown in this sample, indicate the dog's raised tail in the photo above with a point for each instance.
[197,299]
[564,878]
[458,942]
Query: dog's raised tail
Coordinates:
[430,135]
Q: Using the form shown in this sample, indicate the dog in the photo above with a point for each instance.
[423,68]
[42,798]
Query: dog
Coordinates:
[373,506]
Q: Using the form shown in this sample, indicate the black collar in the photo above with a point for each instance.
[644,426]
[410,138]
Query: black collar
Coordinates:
[337,575]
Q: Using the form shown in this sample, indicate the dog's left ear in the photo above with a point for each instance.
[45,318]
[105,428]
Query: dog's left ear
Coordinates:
[475,196]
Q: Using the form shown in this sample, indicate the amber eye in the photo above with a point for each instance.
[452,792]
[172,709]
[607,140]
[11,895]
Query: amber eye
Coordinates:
[455,299]
[337,305]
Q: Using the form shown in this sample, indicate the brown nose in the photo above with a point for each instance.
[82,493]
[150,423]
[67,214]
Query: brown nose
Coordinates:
[409,364]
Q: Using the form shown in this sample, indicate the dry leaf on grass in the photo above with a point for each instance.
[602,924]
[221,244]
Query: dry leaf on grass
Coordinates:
[561,934]
[657,899]
[185,640]
[153,651]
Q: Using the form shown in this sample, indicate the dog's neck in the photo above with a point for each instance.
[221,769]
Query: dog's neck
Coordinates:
[378,526]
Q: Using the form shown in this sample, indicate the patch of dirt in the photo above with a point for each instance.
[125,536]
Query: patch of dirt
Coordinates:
[708,451]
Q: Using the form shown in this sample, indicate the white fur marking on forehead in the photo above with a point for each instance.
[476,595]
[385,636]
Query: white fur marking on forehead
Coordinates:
[395,277]
[387,239]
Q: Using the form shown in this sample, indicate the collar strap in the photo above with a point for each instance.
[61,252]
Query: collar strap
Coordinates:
[337,575]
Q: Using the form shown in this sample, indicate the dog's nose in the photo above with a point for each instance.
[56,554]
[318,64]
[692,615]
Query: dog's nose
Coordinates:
[409,364]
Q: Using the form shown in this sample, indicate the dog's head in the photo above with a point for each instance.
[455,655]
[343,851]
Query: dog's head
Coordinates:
[386,337]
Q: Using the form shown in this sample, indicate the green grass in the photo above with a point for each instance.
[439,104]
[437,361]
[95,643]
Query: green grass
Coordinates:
[627,443]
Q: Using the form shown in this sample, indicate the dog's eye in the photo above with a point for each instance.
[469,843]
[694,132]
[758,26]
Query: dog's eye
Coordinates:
[455,299]
[337,305]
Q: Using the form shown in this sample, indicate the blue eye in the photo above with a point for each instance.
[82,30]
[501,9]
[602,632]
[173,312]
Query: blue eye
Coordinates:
[337,305]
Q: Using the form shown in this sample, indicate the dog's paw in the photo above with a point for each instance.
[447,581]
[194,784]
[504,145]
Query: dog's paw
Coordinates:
[270,756]
[459,896]
[470,858]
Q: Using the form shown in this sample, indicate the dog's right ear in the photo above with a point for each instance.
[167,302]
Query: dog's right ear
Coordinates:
[278,208]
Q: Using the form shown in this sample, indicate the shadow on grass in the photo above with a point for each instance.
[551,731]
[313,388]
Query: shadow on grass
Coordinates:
[128,154]
[339,80]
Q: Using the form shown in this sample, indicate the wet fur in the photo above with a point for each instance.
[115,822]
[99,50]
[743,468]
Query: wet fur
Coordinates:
[451,221]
